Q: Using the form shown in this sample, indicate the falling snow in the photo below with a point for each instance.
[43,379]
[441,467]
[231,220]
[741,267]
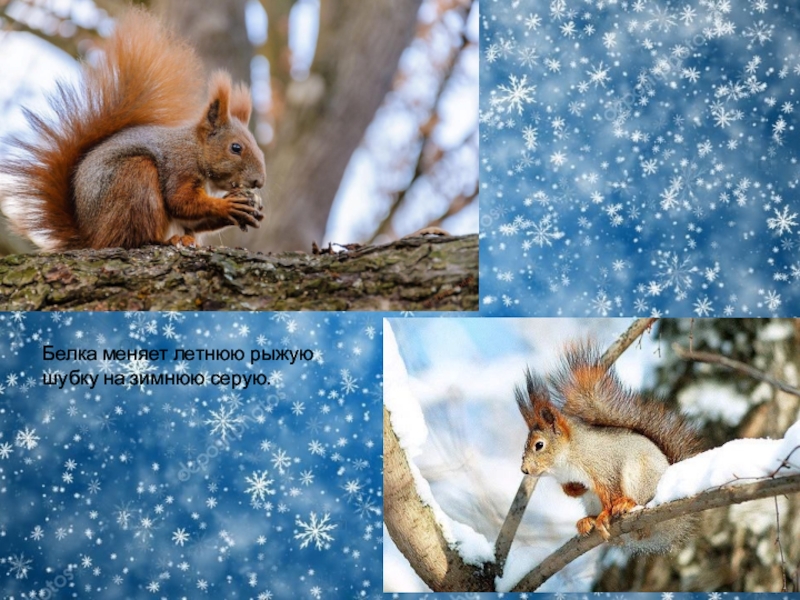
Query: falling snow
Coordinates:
[166,491]
[622,140]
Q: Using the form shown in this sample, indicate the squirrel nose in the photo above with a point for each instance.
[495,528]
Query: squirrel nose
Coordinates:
[525,470]
[257,183]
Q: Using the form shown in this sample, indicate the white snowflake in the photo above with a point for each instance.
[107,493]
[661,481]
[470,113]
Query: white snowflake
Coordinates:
[27,439]
[316,531]
[259,486]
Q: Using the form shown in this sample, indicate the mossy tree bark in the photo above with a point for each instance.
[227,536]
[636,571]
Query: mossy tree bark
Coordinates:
[413,274]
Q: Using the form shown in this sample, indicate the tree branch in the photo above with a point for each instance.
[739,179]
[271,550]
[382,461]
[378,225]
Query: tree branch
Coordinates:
[410,274]
[514,517]
[439,566]
[723,496]
[735,365]
[615,350]
[70,45]
[528,484]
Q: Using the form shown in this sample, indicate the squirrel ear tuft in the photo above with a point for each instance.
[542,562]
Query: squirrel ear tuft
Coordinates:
[241,104]
[547,415]
[218,113]
[535,394]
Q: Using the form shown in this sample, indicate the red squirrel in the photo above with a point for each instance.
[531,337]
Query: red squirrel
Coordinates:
[604,444]
[135,155]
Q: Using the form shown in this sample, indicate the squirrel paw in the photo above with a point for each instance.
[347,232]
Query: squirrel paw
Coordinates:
[182,240]
[585,525]
[244,208]
[602,522]
[622,505]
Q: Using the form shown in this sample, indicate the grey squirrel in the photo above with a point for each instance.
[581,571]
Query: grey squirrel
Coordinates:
[604,444]
[135,154]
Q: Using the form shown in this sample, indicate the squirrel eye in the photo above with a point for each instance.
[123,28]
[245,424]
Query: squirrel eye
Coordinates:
[539,446]
[236,148]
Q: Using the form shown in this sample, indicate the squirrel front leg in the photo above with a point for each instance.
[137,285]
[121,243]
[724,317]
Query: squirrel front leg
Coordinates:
[618,506]
[614,502]
[191,203]
[238,197]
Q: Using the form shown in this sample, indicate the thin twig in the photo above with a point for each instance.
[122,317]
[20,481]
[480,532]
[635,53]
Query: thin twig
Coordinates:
[509,529]
[614,351]
[778,541]
[456,205]
[735,365]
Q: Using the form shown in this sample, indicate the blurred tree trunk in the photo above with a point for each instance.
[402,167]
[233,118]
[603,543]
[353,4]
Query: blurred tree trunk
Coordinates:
[216,28]
[323,118]
[326,115]
[736,549]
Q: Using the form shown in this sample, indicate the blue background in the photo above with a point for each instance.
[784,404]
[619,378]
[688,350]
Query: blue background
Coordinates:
[639,158]
[104,472]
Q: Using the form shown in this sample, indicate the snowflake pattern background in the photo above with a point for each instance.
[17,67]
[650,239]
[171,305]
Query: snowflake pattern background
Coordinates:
[639,157]
[192,491]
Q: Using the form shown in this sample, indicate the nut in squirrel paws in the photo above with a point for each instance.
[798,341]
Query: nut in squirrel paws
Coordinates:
[244,208]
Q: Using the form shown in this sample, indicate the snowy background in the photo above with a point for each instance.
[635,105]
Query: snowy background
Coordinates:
[462,372]
[639,158]
[184,491]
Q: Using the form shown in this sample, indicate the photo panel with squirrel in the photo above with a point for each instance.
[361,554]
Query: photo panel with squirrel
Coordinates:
[616,455]
[239,155]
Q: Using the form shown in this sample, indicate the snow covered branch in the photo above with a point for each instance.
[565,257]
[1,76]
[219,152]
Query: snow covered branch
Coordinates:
[415,528]
[724,496]
[447,557]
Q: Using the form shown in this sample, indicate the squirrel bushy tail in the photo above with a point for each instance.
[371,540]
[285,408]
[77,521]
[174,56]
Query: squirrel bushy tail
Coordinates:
[586,389]
[146,76]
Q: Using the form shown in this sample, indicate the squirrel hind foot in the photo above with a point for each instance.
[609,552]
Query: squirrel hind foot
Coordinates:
[187,241]
[623,505]
[602,523]
[585,525]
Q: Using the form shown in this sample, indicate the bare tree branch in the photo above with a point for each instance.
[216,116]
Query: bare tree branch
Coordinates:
[509,529]
[425,164]
[71,45]
[723,496]
[615,350]
[709,357]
